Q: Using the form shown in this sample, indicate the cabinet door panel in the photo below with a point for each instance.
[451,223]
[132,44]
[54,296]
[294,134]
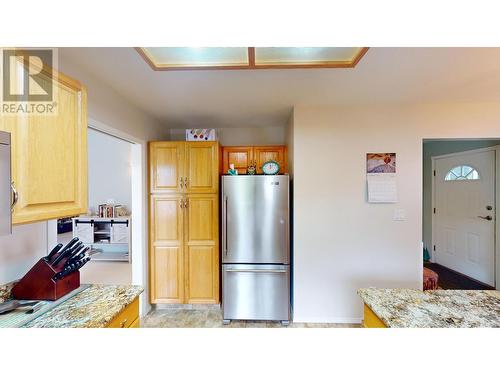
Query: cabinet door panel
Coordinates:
[266,153]
[167,259]
[202,246]
[241,157]
[166,163]
[201,275]
[49,157]
[167,275]
[202,160]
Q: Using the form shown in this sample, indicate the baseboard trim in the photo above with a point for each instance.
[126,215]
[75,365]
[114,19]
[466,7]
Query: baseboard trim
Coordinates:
[327,320]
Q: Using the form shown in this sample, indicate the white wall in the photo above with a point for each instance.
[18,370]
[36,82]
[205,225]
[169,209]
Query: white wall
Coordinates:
[273,135]
[109,170]
[19,251]
[342,243]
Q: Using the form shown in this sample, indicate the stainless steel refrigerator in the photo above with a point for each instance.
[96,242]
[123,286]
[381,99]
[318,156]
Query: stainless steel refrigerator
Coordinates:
[255,248]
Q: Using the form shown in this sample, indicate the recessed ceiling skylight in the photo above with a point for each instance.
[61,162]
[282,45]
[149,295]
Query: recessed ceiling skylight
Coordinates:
[204,58]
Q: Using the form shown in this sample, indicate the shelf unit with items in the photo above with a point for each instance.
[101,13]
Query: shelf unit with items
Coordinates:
[110,235]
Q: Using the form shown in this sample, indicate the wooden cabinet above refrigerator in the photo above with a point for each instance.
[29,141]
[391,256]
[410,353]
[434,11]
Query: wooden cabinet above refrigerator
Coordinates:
[244,156]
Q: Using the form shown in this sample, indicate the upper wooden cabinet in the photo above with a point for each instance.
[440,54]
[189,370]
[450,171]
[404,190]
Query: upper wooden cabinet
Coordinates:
[183,167]
[240,156]
[49,156]
[167,167]
[243,156]
[261,154]
[202,160]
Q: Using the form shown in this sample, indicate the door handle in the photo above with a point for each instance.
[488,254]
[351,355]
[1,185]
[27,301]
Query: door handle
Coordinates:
[489,218]
[181,183]
[225,225]
[15,196]
[257,271]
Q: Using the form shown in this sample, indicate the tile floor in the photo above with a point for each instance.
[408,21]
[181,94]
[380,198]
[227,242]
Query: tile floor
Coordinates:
[212,318]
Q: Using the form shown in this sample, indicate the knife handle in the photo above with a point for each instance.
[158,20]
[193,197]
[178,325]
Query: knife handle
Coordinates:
[66,253]
[53,252]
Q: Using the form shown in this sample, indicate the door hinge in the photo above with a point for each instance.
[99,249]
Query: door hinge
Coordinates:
[434,210]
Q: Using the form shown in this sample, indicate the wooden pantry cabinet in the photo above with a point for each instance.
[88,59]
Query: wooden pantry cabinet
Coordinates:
[243,156]
[184,167]
[49,156]
[184,222]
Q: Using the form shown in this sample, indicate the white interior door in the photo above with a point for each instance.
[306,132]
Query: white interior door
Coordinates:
[464,227]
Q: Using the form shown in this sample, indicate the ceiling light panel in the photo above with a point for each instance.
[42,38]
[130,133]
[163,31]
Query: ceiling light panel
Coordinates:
[305,55]
[172,57]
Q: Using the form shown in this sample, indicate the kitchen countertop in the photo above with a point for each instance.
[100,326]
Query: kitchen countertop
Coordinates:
[94,307]
[408,308]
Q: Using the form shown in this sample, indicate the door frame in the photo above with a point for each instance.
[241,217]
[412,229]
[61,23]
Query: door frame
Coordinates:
[497,196]
[139,232]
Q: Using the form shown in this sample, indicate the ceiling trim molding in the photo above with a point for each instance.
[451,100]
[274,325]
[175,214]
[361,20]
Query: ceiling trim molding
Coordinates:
[251,63]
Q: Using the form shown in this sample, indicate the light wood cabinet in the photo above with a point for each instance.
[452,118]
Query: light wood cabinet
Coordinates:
[166,167]
[49,156]
[201,249]
[184,167]
[128,317]
[261,154]
[184,225]
[240,156]
[167,249]
[243,156]
[201,164]
[371,320]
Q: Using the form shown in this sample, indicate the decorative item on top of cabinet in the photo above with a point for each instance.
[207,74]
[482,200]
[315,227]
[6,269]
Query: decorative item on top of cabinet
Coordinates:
[184,227]
[49,155]
[244,157]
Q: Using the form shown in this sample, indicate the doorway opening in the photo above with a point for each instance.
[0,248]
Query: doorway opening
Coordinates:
[460,190]
[116,206]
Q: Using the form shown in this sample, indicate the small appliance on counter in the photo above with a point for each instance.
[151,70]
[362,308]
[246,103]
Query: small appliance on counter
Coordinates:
[54,275]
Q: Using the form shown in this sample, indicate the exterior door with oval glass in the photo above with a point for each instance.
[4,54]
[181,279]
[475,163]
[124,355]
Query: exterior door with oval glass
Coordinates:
[464,218]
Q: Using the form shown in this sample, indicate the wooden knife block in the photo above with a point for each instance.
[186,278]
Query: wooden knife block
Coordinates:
[37,284]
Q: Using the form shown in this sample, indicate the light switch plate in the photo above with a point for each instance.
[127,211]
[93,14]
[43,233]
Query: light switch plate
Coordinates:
[399,215]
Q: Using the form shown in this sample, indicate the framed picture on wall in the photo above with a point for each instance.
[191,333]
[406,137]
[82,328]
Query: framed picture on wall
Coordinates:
[381,162]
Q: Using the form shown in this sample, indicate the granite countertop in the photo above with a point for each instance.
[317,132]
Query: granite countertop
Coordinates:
[94,307]
[408,308]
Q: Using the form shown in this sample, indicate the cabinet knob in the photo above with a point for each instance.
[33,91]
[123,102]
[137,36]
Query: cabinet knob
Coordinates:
[122,324]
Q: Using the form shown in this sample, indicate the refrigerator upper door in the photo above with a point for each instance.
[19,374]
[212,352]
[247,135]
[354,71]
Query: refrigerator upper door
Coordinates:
[255,219]
[5,181]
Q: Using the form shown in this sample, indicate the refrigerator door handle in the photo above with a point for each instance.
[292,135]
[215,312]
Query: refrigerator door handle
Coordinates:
[255,271]
[224,227]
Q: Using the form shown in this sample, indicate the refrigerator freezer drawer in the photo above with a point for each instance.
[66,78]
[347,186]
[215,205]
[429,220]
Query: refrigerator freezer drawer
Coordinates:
[256,292]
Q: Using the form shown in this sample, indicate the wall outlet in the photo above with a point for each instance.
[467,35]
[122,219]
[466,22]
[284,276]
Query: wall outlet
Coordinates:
[399,215]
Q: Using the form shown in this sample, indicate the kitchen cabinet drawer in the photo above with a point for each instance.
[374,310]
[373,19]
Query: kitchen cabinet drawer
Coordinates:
[127,317]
